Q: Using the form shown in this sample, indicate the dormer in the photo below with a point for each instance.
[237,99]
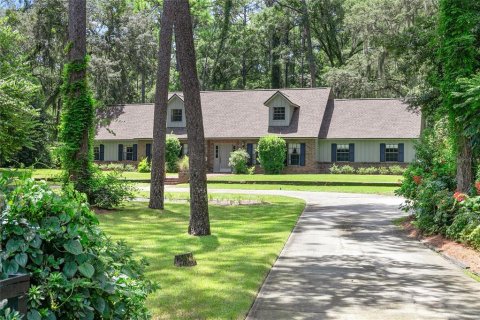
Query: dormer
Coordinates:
[176,112]
[280,110]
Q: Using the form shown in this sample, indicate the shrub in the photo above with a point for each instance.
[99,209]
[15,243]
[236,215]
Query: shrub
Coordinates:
[369,170]
[271,153]
[76,271]
[251,170]
[466,220]
[183,164]
[129,168]
[108,190]
[346,169]
[238,161]
[334,169]
[397,170]
[116,166]
[144,166]
[172,153]
[383,170]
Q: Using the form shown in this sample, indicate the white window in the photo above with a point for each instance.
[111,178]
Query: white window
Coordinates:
[129,152]
[278,113]
[391,153]
[294,154]
[343,152]
[96,153]
[177,115]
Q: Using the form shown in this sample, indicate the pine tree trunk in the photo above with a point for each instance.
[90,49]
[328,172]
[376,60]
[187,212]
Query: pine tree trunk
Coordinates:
[199,221]
[308,35]
[465,176]
[157,186]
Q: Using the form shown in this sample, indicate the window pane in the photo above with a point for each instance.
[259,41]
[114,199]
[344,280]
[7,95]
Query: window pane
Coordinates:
[278,113]
[343,153]
[129,153]
[177,115]
[96,153]
[391,153]
[294,154]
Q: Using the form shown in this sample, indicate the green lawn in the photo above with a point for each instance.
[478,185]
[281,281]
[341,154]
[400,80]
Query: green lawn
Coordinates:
[387,190]
[49,174]
[309,178]
[232,262]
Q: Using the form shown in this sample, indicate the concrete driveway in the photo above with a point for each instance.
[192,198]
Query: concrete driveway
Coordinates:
[346,260]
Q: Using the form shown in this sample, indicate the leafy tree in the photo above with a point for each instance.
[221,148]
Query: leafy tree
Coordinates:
[459,58]
[19,93]
[272,152]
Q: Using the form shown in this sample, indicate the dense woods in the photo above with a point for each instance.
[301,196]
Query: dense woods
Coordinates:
[373,48]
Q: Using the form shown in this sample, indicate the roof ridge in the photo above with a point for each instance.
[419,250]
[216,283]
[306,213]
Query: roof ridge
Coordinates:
[353,99]
[265,89]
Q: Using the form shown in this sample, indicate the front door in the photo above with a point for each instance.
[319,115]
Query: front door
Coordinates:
[221,156]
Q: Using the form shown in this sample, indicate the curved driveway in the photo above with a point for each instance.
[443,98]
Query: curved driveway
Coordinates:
[346,260]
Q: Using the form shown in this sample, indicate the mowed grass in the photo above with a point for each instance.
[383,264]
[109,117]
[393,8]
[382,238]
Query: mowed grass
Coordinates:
[308,178]
[381,190]
[232,262]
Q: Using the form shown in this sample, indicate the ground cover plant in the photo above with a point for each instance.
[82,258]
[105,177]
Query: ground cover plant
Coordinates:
[232,262]
[76,271]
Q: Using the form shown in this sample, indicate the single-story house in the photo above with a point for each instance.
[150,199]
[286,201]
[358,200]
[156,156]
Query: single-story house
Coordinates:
[319,130]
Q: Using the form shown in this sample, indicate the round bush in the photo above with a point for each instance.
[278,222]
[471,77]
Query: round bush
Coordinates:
[144,166]
[172,153]
[76,271]
[238,161]
[271,153]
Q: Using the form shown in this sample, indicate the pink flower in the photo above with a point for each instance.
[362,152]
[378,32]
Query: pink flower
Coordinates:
[460,196]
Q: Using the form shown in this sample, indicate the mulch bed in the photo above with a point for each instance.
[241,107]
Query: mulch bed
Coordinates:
[458,252]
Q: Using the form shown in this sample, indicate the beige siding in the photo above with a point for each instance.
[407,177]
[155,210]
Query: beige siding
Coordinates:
[111,148]
[365,150]
[175,103]
[279,101]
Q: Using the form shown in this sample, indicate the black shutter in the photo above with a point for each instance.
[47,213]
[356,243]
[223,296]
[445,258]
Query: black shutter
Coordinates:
[401,152]
[135,148]
[351,150]
[250,153]
[383,149]
[148,151]
[302,154]
[102,152]
[334,152]
[286,157]
[120,152]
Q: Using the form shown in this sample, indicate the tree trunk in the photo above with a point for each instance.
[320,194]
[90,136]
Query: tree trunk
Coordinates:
[143,85]
[308,34]
[160,114]
[276,72]
[79,174]
[465,176]
[199,221]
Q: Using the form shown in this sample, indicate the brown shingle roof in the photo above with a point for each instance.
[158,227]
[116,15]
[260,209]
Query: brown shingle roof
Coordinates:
[227,114]
[242,114]
[370,119]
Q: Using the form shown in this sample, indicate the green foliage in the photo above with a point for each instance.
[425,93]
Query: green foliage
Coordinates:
[8,314]
[19,93]
[108,190]
[172,153]
[183,164]
[272,153]
[77,126]
[144,166]
[367,170]
[77,271]
[468,107]
[251,170]
[238,161]
[397,170]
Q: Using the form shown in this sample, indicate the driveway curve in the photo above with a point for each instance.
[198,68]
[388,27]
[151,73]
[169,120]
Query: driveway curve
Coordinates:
[346,260]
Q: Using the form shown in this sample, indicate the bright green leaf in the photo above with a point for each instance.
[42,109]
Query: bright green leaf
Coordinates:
[73,246]
[86,269]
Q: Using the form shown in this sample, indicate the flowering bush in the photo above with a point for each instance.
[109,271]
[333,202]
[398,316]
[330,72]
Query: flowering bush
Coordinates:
[459,196]
[238,161]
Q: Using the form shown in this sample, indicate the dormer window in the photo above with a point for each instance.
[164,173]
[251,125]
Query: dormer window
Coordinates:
[279,113]
[177,115]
